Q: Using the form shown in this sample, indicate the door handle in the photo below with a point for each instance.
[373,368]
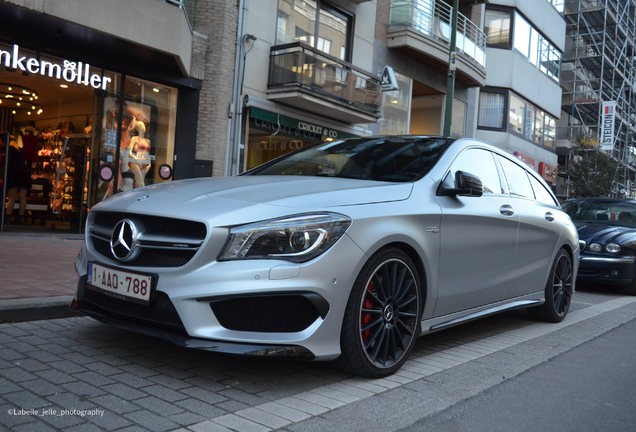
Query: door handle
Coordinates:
[506,210]
[549,217]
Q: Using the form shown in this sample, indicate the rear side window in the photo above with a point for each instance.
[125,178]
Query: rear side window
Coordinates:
[541,193]
[478,162]
[517,179]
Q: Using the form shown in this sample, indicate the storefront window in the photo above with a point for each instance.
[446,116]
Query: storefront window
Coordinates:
[396,107]
[144,123]
[272,135]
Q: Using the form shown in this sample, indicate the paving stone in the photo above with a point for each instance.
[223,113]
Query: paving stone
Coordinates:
[232,405]
[240,424]
[242,396]
[165,393]
[94,378]
[132,380]
[103,368]
[55,376]
[209,426]
[201,408]
[204,395]
[115,404]
[68,367]
[159,406]
[124,391]
[39,387]
[26,400]
[187,418]
[83,389]
[110,421]
[264,418]
[17,374]
[284,411]
[71,401]
[151,421]
[35,426]
[7,386]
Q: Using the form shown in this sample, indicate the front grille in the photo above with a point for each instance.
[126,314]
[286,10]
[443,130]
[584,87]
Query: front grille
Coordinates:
[268,314]
[159,311]
[164,234]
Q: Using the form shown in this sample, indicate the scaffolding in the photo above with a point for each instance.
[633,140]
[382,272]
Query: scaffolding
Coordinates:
[599,66]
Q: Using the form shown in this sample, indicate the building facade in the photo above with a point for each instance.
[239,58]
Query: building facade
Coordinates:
[520,103]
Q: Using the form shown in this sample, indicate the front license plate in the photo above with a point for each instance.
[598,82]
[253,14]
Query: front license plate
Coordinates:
[120,284]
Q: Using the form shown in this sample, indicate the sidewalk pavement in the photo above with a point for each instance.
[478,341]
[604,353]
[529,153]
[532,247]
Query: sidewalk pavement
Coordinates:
[37,275]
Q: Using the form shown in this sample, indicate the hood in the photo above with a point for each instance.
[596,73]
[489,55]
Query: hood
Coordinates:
[604,234]
[227,198]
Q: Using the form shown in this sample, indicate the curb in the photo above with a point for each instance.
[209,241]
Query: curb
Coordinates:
[33,309]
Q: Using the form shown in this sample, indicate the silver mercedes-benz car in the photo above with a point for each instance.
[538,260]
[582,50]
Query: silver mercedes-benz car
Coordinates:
[346,250]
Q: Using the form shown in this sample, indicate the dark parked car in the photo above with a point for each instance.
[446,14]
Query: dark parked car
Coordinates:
[607,236]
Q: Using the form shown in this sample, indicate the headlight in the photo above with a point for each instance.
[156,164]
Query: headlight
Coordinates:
[296,238]
[612,248]
[595,247]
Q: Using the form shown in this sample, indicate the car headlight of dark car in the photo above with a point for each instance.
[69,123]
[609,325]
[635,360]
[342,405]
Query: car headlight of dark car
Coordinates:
[612,247]
[595,247]
[295,238]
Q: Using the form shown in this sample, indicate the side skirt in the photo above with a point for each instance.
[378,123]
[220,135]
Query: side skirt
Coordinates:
[450,320]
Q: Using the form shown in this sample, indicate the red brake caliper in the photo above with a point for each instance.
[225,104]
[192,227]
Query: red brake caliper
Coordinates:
[366,317]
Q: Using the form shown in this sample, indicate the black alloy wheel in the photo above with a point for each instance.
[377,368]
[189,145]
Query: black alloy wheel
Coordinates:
[382,318]
[558,291]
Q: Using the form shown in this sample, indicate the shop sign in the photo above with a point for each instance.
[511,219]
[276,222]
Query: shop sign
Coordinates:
[388,80]
[607,125]
[68,71]
[527,159]
[295,127]
[548,172]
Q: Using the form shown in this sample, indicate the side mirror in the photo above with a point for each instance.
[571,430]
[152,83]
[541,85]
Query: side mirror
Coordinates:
[467,185]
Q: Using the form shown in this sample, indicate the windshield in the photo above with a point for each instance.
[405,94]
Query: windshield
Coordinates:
[394,159]
[603,212]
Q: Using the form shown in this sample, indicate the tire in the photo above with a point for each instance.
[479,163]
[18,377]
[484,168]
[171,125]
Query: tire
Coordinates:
[382,317]
[558,291]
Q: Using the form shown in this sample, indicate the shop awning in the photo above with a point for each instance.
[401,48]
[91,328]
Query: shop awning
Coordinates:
[293,123]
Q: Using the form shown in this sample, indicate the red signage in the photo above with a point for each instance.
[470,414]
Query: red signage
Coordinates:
[526,159]
[548,172]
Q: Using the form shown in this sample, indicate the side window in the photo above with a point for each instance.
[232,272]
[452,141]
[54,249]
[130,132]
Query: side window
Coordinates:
[518,183]
[480,163]
[541,192]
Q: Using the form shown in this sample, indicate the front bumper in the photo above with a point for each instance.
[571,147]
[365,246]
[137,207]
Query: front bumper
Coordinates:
[195,291]
[617,270]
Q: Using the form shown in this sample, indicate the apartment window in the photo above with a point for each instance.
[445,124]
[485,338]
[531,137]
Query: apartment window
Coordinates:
[500,24]
[531,123]
[316,23]
[497,28]
[491,109]
[537,49]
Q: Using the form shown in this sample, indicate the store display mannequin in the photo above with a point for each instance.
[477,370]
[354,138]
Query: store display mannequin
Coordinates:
[134,160]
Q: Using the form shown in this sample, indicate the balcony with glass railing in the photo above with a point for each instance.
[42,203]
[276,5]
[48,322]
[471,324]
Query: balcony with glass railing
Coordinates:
[423,28]
[307,78]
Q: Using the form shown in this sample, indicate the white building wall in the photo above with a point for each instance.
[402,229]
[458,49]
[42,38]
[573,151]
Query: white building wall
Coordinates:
[510,69]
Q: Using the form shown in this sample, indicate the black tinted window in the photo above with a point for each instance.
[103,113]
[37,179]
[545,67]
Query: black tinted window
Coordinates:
[397,159]
[517,179]
[478,162]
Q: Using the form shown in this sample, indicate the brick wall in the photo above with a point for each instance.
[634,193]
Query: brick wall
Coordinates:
[217,20]
[382,19]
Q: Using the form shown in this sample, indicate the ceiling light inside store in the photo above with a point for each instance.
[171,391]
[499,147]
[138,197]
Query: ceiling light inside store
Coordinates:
[155,89]
[11,95]
[63,86]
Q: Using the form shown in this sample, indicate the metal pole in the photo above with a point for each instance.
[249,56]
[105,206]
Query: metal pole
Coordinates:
[5,139]
[450,81]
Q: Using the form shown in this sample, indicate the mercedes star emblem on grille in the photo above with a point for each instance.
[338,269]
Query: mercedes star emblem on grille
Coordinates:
[123,241]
